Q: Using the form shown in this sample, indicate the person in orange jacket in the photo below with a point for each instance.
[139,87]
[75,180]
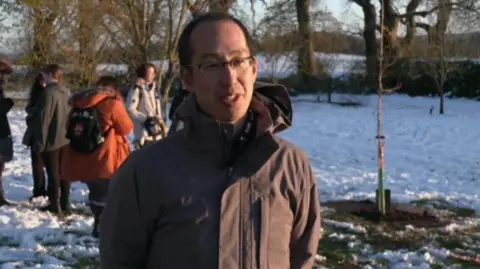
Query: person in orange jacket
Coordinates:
[97,129]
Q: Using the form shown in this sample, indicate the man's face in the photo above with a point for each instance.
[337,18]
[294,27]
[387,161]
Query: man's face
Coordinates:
[58,75]
[223,90]
[150,74]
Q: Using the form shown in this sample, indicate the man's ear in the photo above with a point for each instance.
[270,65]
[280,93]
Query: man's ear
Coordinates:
[186,76]
[255,67]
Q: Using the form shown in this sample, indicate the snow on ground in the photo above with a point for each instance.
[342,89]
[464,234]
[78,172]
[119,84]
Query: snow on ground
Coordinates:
[427,156]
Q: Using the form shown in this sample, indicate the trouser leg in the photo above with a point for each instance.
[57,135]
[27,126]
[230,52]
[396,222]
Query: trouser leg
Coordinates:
[98,192]
[52,165]
[38,174]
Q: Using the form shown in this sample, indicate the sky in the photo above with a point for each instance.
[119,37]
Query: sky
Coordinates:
[337,7]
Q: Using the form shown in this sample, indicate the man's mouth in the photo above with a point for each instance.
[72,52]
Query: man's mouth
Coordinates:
[231,100]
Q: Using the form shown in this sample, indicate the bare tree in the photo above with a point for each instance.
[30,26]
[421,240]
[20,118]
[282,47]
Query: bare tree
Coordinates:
[198,6]
[41,16]
[85,28]
[440,67]
[220,5]
[381,197]
[307,62]
[276,33]
[277,62]
[133,25]
[176,17]
[369,36]
[330,60]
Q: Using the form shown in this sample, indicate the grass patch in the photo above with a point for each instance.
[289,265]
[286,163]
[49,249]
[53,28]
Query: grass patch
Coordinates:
[86,263]
[445,205]
[337,252]
[340,244]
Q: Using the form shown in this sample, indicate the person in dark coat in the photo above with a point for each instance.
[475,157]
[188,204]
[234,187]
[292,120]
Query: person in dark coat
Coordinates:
[177,100]
[6,143]
[49,128]
[38,174]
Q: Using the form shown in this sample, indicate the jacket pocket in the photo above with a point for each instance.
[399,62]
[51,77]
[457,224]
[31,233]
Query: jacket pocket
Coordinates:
[275,231]
[264,232]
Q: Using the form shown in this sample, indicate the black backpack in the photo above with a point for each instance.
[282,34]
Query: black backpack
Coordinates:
[84,130]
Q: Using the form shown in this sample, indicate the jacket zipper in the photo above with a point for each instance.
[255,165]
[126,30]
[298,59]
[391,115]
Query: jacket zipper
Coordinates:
[230,170]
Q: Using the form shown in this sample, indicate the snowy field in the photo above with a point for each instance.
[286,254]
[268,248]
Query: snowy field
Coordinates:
[427,157]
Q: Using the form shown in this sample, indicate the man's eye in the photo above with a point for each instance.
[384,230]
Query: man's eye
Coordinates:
[211,65]
[237,62]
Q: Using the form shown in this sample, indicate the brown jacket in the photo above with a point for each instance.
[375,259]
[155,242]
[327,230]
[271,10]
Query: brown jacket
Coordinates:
[176,205]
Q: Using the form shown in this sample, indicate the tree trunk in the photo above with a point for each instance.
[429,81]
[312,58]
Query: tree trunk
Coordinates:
[392,50]
[306,56]
[369,35]
[442,102]
[86,41]
[330,90]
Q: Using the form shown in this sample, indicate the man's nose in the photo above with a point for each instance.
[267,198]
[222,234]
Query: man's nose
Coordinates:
[228,75]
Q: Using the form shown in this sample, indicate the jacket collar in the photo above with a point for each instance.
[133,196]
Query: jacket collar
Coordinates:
[274,113]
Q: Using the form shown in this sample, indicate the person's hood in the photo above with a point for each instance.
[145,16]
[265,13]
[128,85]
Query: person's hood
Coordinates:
[277,99]
[90,97]
[274,97]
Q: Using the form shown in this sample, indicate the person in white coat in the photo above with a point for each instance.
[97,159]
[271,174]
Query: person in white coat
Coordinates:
[144,108]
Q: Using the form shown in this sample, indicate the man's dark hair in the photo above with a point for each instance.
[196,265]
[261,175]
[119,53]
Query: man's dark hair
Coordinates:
[52,69]
[108,81]
[141,70]
[184,49]
[35,90]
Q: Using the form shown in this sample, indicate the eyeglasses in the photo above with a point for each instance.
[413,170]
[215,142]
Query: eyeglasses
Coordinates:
[238,64]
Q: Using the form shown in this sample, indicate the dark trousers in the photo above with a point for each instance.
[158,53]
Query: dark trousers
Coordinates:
[97,197]
[2,193]
[57,190]
[38,174]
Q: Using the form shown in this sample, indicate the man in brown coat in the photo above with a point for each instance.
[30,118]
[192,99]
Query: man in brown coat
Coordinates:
[224,191]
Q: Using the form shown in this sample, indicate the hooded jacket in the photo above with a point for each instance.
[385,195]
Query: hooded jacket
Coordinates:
[50,118]
[116,124]
[141,104]
[177,204]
